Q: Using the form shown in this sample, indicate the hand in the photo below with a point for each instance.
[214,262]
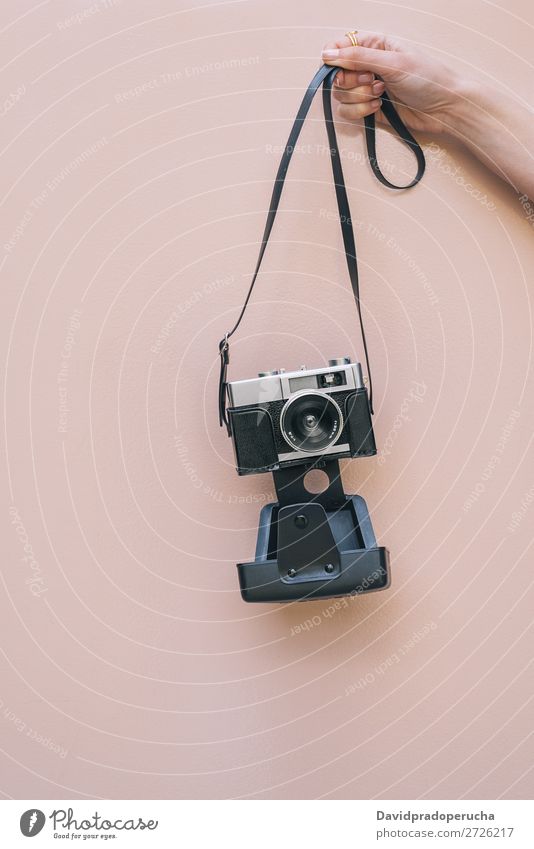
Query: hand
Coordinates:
[423,89]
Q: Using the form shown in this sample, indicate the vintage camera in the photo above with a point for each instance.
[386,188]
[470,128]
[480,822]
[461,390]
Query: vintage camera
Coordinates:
[282,419]
[288,423]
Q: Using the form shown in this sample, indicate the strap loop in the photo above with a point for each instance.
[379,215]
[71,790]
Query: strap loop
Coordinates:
[325,76]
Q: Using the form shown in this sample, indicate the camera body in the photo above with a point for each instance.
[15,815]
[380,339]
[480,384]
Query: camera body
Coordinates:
[283,419]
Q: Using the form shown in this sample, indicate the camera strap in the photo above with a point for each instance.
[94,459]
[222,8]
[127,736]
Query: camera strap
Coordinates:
[325,76]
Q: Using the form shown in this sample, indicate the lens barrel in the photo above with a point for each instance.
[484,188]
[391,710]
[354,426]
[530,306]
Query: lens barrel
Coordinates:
[311,422]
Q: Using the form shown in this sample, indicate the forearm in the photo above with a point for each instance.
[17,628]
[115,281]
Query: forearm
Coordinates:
[432,97]
[499,130]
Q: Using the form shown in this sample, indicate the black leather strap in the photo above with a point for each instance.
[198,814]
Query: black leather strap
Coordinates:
[325,76]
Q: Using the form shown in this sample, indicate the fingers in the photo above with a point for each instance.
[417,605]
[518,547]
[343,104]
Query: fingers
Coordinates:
[365,39]
[355,111]
[364,59]
[355,87]
[360,93]
[351,79]
[360,101]
[373,54]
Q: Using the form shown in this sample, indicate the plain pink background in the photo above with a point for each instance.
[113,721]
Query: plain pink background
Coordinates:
[138,148]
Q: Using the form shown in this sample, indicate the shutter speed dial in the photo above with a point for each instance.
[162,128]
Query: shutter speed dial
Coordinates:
[271,373]
[339,361]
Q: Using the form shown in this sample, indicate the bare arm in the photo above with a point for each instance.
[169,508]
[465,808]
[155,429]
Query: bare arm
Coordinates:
[432,96]
[499,131]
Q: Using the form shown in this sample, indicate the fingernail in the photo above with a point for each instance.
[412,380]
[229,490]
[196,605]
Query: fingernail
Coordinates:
[366,78]
[378,87]
[330,54]
[340,78]
[375,103]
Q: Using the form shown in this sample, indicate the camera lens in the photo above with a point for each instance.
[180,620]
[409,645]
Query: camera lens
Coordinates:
[311,422]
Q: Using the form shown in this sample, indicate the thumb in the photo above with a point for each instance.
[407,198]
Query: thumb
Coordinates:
[386,63]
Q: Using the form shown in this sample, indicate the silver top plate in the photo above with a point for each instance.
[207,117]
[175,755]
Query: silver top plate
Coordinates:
[276,387]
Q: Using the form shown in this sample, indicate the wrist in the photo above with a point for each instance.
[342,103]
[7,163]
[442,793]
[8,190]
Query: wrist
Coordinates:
[465,110]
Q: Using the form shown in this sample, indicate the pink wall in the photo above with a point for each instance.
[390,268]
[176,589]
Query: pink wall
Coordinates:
[138,155]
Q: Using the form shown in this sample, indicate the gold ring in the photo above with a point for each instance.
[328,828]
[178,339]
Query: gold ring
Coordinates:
[352,35]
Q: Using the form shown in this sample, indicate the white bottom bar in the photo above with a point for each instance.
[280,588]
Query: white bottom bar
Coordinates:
[264,824]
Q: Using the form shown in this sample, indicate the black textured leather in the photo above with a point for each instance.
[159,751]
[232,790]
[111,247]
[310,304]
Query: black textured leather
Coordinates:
[254,439]
[358,416]
[325,76]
